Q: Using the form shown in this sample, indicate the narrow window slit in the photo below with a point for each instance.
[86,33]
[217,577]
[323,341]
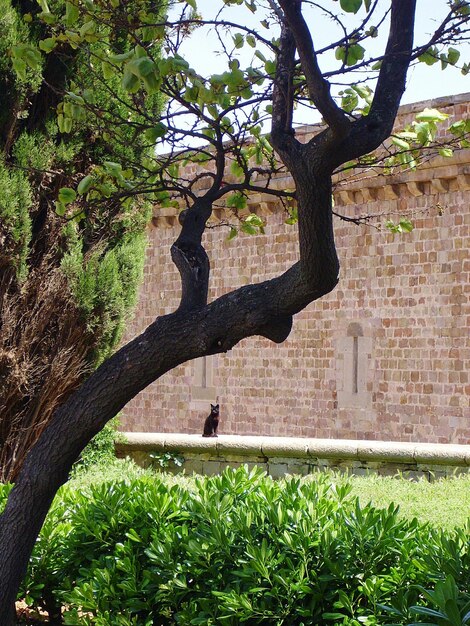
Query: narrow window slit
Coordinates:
[355,360]
[204,373]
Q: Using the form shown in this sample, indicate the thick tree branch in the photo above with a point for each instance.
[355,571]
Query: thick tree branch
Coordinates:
[370,131]
[392,77]
[190,257]
[318,87]
[265,309]
[282,133]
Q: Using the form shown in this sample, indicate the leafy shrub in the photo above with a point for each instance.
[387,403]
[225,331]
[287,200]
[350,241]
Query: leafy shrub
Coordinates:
[100,450]
[240,548]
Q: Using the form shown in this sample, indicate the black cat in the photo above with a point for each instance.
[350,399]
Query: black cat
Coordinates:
[212,422]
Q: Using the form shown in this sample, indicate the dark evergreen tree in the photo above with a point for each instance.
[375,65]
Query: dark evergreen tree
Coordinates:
[68,272]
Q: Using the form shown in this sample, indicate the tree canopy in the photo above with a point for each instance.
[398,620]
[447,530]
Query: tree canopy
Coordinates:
[83,84]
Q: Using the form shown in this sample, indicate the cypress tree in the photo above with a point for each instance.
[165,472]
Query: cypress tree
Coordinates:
[72,233]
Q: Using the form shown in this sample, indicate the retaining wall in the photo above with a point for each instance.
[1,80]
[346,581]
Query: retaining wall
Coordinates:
[279,456]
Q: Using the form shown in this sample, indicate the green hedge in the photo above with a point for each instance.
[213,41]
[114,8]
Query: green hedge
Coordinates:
[240,548]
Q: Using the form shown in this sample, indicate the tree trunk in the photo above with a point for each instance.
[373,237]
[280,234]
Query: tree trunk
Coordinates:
[264,309]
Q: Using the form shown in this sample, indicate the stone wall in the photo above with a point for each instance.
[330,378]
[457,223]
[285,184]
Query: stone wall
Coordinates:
[385,356]
[279,456]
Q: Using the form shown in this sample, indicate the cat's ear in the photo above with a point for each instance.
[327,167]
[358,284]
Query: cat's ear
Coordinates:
[213,406]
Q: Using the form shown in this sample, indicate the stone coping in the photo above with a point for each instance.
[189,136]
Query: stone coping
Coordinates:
[297,447]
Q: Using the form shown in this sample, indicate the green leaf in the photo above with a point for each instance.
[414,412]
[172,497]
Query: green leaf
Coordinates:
[47,45]
[401,143]
[236,201]
[191,94]
[120,58]
[247,228]
[251,41]
[130,82]
[66,195]
[156,132]
[133,535]
[431,115]
[446,152]
[85,184]
[71,13]
[32,56]
[270,67]
[115,169]
[44,6]
[238,40]
[75,97]
[349,101]
[407,134]
[141,66]
[108,70]
[254,220]
[47,17]
[60,209]
[405,225]
[152,83]
[351,54]
[430,57]
[364,92]
[20,67]
[237,170]
[87,29]
[351,6]
[232,234]
[453,55]
[423,132]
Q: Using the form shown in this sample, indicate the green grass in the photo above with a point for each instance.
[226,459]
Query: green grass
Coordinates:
[444,503]
[120,469]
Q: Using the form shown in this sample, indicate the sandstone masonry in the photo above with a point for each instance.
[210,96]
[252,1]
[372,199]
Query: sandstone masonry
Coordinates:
[385,356]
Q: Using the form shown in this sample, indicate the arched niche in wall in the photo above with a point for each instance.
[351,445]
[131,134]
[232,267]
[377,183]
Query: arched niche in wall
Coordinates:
[353,362]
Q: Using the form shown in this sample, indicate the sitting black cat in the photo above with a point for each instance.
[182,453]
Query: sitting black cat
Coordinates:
[212,422]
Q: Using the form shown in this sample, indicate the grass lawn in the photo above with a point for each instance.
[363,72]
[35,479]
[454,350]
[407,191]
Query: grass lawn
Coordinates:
[445,503]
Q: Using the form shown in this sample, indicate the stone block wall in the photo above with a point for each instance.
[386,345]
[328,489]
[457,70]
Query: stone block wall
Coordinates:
[385,356]
[279,456]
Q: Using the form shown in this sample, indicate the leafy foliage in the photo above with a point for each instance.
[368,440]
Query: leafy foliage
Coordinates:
[100,452]
[240,548]
[227,111]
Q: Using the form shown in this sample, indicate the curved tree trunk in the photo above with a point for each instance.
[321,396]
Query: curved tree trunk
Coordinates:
[264,309]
